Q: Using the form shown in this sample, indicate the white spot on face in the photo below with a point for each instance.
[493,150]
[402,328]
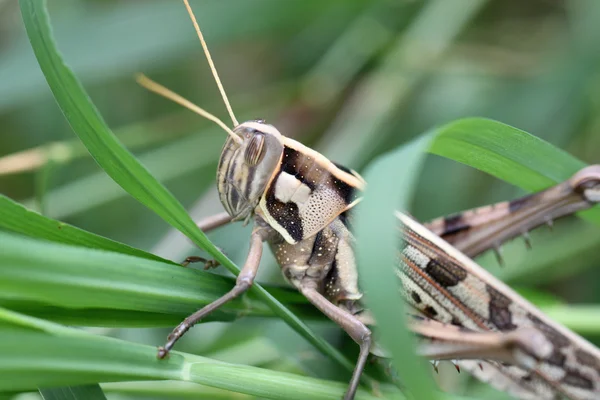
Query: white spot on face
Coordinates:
[288,188]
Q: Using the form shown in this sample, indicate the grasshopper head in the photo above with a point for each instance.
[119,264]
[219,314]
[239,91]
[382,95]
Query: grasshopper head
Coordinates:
[246,168]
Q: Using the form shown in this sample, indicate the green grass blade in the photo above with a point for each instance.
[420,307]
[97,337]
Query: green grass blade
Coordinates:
[34,352]
[172,390]
[83,392]
[87,123]
[123,167]
[507,153]
[584,319]
[80,284]
[391,180]
[16,218]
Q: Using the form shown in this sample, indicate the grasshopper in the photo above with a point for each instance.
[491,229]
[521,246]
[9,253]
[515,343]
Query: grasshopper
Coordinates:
[300,203]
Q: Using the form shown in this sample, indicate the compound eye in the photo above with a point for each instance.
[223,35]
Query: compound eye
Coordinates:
[255,150]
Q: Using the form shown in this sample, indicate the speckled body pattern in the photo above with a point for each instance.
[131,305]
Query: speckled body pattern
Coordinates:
[303,200]
[448,287]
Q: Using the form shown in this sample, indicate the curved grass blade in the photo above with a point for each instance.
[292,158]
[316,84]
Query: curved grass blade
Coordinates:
[120,164]
[82,392]
[507,153]
[391,181]
[16,218]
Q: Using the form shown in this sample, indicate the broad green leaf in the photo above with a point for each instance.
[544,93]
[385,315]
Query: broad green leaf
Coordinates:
[82,392]
[16,218]
[391,179]
[123,168]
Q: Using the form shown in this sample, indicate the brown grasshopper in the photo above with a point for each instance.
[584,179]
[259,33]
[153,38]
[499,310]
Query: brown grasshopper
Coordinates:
[300,203]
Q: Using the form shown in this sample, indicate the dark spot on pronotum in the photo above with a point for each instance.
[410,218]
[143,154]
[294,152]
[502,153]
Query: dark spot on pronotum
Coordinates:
[500,314]
[445,273]
[293,164]
[343,168]
[415,297]
[286,214]
[347,192]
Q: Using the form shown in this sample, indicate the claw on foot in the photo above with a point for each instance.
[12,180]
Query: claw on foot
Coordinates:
[211,264]
[162,353]
[195,259]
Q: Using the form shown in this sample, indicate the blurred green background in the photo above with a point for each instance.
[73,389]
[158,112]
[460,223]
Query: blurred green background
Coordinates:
[351,78]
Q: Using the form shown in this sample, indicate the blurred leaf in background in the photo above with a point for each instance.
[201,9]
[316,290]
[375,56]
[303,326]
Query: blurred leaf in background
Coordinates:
[351,78]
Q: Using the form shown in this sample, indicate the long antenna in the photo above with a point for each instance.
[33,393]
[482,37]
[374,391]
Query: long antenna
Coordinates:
[149,84]
[210,62]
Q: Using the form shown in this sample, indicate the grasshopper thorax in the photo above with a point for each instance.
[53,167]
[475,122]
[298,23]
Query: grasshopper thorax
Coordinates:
[246,168]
